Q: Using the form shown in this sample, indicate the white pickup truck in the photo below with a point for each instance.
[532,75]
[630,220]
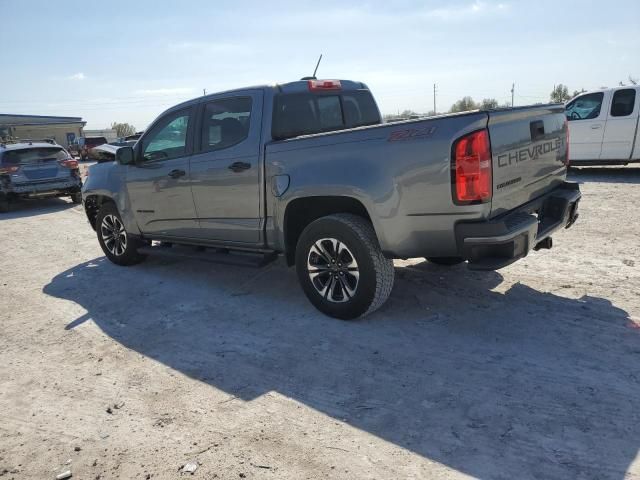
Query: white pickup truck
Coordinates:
[603,127]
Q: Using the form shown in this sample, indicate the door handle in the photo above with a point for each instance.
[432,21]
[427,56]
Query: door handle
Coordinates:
[596,127]
[239,166]
[177,173]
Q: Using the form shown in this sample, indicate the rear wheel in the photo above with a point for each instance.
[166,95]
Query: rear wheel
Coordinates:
[4,203]
[341,267]
[116,243]
[445,261]
[76,197]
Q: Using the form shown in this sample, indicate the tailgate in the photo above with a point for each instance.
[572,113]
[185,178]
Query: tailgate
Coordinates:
[529,150]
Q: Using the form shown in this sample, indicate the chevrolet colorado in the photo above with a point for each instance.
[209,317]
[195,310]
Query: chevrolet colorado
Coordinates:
[307,169]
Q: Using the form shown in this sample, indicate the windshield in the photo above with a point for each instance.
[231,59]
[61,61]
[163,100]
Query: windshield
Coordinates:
[33,155]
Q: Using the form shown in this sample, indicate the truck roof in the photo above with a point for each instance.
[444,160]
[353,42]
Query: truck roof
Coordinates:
[611,89]
[23,145]
[297,86]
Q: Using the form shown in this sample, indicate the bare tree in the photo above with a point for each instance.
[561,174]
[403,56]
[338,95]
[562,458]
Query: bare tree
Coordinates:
[123,129]
[463,105]
[489,104]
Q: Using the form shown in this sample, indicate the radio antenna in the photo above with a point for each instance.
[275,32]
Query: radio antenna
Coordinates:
[317,65]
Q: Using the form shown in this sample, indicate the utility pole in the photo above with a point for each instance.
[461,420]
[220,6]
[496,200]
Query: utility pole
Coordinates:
[513,89]
[204,91]
[434,99]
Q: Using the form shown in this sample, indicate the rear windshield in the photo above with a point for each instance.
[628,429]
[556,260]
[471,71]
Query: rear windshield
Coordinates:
[33,155]
[306,113]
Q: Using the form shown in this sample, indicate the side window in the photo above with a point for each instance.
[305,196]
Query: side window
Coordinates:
[168,139]
[586,107]
[225,123]
[623,102]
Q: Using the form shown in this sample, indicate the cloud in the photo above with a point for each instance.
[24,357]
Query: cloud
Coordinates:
[165,91]
[476,8]
[77,76]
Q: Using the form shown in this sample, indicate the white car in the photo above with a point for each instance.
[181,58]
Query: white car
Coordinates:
[603,127]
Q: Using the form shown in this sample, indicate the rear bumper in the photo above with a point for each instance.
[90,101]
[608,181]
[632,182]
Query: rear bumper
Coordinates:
[42,189]
[496,243]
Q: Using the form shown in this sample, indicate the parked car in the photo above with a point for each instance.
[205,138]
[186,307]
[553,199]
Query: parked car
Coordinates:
[133,137]
[604,126]
[107,152]
[88,143]
[36,170]
[306,169]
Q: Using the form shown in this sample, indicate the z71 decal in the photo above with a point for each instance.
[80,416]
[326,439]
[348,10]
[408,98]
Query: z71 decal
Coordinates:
[411,134]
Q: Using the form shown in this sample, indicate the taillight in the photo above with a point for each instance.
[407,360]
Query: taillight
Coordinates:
[69,163]
[324,85]
[566,129]
[9,169]
[472,182]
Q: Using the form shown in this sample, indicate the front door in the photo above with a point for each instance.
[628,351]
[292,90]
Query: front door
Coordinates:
[159,184]
[225,170]
[621,126]
[586,126]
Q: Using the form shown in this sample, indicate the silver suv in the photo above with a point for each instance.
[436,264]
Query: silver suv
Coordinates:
[36,170]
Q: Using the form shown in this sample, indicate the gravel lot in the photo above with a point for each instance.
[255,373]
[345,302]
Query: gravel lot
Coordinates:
[529,372]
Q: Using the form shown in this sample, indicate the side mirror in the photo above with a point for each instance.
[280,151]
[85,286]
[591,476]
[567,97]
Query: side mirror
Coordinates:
[125,156]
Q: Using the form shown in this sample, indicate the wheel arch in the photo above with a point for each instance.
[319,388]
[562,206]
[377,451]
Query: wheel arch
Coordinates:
[92,205]
[300,212]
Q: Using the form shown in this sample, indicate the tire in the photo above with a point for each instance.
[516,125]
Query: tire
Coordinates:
[347,244]
[123,249]
[445,261]
[4,204]
[76,197]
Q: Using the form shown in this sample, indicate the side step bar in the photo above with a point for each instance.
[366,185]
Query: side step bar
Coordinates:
[214,255]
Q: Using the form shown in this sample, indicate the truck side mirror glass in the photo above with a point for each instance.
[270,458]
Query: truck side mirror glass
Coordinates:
[125,156]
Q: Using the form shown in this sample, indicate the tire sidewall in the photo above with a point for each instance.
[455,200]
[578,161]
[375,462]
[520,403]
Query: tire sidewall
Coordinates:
[365,292]
[130,255]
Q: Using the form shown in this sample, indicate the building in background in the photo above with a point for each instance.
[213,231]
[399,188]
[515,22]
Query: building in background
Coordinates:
[109,133]
[64,130]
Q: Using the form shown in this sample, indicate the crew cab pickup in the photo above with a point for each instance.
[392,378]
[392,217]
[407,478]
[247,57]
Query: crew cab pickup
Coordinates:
[604,127]
[307,169]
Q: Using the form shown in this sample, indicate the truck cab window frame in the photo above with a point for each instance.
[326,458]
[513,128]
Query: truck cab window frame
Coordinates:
[623,102]
[175,124]
[226,122]
[585,107]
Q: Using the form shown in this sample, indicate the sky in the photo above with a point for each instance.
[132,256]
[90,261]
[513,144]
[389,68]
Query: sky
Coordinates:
[128,61]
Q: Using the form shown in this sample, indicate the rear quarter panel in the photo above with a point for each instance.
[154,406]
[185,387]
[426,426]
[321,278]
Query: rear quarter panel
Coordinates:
[400,172]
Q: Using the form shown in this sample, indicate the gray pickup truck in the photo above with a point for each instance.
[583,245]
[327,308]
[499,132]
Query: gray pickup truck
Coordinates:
[307,169]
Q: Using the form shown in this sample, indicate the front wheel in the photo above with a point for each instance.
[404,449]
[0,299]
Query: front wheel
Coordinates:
[76,197]
[4,203]
[116,243]
[341,267]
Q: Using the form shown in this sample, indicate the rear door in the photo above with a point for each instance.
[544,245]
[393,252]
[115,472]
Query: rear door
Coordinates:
[621,126]
[587,116]
[529,151]
[225,171]
[159,185]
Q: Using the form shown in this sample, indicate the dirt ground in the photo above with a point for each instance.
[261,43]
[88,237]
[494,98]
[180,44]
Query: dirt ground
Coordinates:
[130,373]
